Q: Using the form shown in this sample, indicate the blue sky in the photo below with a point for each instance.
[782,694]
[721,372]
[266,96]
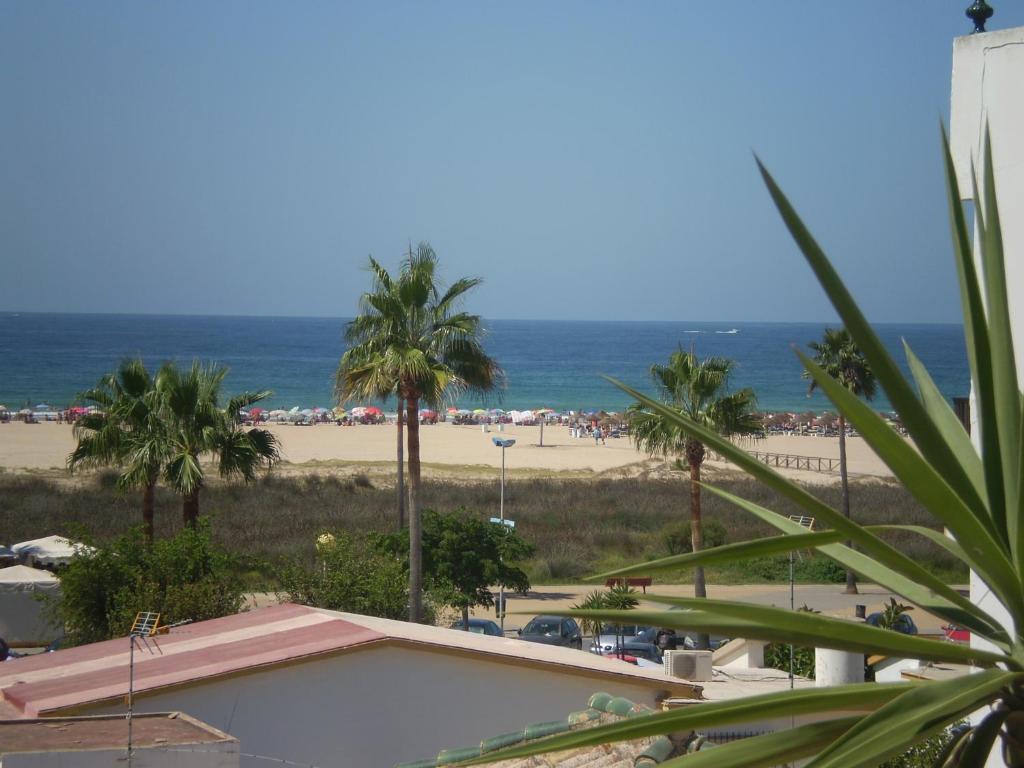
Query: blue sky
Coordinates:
[588,160]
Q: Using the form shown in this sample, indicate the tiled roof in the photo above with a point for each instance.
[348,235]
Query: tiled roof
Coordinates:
[51,683]
[602,708]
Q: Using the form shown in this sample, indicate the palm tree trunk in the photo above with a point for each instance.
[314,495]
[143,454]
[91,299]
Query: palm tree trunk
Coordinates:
[415,522]
[697,543]
[190,509]
[401,467]
[851,578]
[695,458]
[465,618]
[147,512]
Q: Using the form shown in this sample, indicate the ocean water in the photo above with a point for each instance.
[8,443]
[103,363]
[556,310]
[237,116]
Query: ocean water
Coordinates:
[47,358]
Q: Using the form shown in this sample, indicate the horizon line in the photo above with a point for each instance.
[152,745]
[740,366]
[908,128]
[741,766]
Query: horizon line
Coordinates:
[499,319]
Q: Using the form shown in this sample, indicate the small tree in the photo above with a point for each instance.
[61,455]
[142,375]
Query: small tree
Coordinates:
[125,431]
[594,601]
[464,556]
[186,577]
[348,575]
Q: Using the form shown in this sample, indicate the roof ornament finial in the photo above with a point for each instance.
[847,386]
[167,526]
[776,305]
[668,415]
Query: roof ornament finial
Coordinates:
[979,12]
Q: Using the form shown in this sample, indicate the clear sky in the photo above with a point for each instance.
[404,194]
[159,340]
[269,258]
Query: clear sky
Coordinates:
[589,160]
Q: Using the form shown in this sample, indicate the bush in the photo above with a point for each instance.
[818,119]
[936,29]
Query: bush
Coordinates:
[820,570]
[776,656]
[678,537]
[925,754]
[348,575]
[181,578]
[464,555]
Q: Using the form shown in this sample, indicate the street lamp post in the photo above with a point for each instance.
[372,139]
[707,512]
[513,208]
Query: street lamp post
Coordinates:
[502,443]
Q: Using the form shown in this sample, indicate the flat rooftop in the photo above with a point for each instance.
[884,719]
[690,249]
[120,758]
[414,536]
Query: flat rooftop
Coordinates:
[63,734]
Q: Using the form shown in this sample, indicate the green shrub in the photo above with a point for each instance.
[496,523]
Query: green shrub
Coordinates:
[678,541]
[925,754]
[819,570]
[348,575]
[185,577]
[776,656]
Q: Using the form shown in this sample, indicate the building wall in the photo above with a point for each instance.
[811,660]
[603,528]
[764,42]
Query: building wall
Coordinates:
[380,706]
[987,72]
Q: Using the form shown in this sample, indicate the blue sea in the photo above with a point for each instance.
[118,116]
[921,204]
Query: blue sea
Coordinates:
[47,358]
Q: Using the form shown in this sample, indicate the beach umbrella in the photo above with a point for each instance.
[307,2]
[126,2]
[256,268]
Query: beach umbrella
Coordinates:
[479,411]
[42,407]
[453,410]
[25,412]
[372,410]
[497,411]
[340,412]
[306,411]
[255,412]
[359,411]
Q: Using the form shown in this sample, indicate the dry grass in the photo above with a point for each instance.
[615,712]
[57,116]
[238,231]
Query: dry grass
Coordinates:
[578,526]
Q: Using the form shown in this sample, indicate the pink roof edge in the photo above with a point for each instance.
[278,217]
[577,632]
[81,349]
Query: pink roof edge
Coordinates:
[54,682]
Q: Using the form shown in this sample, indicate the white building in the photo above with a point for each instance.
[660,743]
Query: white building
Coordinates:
[330,689]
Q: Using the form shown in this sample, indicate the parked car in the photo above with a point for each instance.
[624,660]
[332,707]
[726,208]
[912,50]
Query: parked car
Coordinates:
[608,639]
[553,630]
[639,653]
[481,627]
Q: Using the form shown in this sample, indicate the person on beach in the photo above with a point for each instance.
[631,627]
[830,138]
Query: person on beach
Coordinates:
[597,435]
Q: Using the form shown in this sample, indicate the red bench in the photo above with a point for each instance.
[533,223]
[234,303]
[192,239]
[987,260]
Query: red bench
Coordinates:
[633,581]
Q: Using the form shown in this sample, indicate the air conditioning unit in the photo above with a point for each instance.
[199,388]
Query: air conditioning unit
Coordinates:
[688,665]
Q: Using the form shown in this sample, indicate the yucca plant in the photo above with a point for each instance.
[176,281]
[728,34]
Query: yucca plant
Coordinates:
[977,498]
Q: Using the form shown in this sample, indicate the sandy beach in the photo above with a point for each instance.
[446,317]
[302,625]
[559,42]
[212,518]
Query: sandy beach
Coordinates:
[44,446]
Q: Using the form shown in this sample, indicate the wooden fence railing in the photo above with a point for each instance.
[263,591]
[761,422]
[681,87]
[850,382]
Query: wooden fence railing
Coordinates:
[789,461]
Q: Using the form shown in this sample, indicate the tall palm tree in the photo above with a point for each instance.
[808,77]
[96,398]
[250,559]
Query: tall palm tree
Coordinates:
[361,377]
[126,431]
[840,357]
[197,426]
[698,390]
[409,336]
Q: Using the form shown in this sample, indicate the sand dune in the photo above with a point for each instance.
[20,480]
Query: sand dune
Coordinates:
[46,446]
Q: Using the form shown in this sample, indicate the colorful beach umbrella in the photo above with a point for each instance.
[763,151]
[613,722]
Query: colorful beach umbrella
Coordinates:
[372,410]
[453,410]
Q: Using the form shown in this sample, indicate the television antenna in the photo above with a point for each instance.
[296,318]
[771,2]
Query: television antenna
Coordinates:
[808,523]
[146,625]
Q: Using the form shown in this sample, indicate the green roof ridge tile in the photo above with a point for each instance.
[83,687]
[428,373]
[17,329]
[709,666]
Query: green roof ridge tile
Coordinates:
[598,704]
[584,716]
[540,730]
[659,751]
[623,707]
[449,756]
[500,742]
